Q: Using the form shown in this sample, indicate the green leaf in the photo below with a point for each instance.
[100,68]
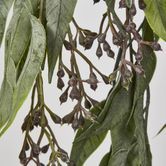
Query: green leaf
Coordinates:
[105,159]
[5,6]
[95,126]
[19,30]
[81,150]
[12,98]
[155,13]
[59,13]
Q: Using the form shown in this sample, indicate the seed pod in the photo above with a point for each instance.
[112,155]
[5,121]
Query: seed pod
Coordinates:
[117,41]
[75,93]
[61,73]
[63,98]
[132,10]
[101,38]
[156,46]
[87,104]
[141,4]
[60,83]
[45,148]
[139,56]
[67,45]
[22,155]
[75,124]
[35,150]
[73,81]
[106,46]
[93,86]
[81,38]
[88,42]
[132,25]
[92,79]
[56,119]
[36,119]
[110,53]
[68,118]
[99,51]
[122,4]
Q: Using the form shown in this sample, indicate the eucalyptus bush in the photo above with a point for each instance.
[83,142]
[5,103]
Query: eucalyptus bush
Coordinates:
[36,35]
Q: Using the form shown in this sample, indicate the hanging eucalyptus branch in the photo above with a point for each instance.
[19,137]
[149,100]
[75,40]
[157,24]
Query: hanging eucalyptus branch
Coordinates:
[38,31]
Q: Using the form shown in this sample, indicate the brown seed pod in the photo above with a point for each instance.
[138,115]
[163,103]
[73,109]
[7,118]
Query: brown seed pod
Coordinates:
[60,83]
[106,46]
[75,93]
[63,98]
[61,73]
[68,118]
[45,148]
[67,45]
[101,38]
[99,51]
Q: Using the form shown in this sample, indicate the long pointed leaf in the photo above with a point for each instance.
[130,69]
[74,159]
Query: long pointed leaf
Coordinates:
[19,90]
[5,6]
[59,13]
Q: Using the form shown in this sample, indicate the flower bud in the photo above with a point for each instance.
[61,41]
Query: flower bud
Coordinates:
[63,98]
[87,104]
[101,38]
[141,4]
[106,46]
[132,10]
[75,124]
[75,93]
[45,148]
[73,81]
[122,4]
[61,73]
[99,51]
[67,45]
[60,83]
[56,119]
[110,53]
[88,42]
[156,46]
[68,118]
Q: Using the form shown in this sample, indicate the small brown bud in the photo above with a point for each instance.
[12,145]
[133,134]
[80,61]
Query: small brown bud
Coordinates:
[106,46]
[45,148]
[75,124]
[101,38]
[67,45]
[75,93]
[132,10]
[63,98]
[61,73]
[73,81]
[60,83]
[122,4]
[99,51]
[156,46]
[87,104]
[56,119]
[35,150]
[88,42]
[141,4]
[110,53]
[68,118]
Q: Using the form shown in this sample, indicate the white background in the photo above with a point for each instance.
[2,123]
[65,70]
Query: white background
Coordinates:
[89,16]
